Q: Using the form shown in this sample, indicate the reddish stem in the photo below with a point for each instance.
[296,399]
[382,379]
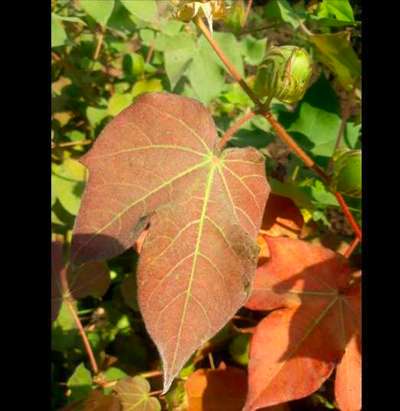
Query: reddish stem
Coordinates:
[348,215]
[248,8]
[68,302]
[279,129]
[350,249]
[234,128]
[151,374]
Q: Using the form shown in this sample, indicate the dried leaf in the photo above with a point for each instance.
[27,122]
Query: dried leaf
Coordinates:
[205,210]
[307,337]
[134,394]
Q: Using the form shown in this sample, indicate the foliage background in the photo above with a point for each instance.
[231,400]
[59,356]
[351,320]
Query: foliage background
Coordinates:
[104,54]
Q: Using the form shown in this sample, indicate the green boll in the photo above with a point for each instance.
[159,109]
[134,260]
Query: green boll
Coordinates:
[284,74]
[346,178]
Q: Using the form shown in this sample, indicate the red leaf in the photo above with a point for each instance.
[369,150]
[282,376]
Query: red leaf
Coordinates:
[295,267]
[295,348]
[157,161]
[221,389]
[215,390]
[282,217]
[348,372]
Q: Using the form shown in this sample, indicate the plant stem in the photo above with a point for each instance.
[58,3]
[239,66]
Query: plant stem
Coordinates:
[155,393]
[151,374]
[351,247]
[100,38]
[255,30]
[279,129]
[150,53]
[246,15]
[348,215]
[234,128]
[71,143]
[281,132]
[345,116]
[68,302]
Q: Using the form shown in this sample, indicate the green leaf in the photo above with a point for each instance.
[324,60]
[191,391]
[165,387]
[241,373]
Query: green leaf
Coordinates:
[317,120]
[253,49]
[231,47]
[298,194]
[113,374]
[172,27]
[204,74]
[352,134]
[321,195]
[146,86]
[147,36]
[118,102]
[336,52]
[133,64]
[80,383]
[95,115]
[236,15]
[145,10]
[64,334]
[178,55]
[340,9]
[281,10]
[68,182]
[58,35]
[100,10]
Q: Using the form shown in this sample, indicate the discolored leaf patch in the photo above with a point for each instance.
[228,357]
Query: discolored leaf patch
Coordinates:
[316,318]
[157,160]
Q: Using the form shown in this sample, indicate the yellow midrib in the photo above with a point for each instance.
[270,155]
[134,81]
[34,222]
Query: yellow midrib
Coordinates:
[195,255]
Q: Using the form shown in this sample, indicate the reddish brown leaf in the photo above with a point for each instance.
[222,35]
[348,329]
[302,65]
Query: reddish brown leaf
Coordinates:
[295,348]
[97,401]
[216,390]
[91,278]
[295,267]
[348,372]
[157,160]
[222,389]
[282,217]
[264,253]
[146,157]
[139,242]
